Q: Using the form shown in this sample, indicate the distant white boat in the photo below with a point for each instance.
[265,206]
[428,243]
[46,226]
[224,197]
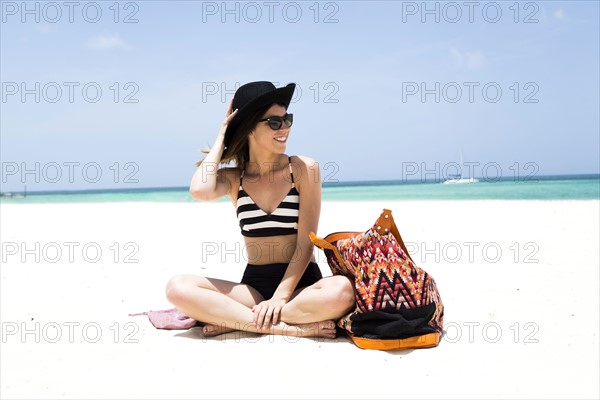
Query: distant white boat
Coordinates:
[457,178]
[14,195]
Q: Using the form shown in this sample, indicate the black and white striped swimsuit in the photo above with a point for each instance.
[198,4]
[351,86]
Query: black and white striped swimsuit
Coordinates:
[255,222]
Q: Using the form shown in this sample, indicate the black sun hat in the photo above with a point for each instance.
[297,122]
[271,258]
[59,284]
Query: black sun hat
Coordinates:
[252,96]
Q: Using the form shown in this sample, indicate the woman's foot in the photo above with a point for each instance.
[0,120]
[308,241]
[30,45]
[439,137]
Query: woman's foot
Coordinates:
[210,330]
[325,329]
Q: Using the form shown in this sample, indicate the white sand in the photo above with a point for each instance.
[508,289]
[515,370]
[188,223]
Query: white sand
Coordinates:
[520,324]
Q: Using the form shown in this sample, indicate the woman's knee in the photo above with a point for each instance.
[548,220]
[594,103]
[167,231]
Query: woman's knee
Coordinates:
[178,288]
[341,293]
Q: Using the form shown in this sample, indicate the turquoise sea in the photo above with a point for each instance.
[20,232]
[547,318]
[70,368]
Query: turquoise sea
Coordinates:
[571,187]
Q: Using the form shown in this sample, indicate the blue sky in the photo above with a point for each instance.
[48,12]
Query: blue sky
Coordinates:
[385,90]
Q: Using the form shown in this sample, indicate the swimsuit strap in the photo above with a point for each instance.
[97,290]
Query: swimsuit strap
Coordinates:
[291,172]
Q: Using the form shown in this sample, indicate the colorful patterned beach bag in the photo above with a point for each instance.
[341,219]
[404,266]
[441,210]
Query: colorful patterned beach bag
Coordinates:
[398,305]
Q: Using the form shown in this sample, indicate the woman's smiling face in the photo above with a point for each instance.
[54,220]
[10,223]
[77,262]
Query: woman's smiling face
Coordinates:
[265,137]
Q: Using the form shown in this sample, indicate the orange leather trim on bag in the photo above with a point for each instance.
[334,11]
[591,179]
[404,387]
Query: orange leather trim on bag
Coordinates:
[385,223]
[334,237]
[321,243]
[415,342]
[324,244]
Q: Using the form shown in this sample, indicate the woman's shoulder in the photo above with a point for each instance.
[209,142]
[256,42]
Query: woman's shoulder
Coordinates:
[305,169]
[304,162]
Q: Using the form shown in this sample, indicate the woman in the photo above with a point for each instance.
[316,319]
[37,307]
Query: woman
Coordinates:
[282,290]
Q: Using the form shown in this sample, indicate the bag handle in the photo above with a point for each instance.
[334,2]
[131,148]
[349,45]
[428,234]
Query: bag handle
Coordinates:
[324,244]
[385,223]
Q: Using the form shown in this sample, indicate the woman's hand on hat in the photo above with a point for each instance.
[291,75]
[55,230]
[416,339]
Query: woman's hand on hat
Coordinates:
[229,116]
[229,108]
[266,313]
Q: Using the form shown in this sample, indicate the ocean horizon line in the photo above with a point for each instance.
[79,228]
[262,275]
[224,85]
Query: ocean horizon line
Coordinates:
[325,184]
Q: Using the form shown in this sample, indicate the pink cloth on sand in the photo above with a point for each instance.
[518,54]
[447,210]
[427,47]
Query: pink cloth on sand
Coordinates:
[169,319]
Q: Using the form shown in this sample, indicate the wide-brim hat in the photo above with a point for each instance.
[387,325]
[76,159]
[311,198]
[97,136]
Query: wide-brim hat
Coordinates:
[252,96]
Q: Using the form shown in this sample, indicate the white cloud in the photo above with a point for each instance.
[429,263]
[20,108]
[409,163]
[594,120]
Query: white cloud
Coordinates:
[105,42]
[469,60]
[559,14]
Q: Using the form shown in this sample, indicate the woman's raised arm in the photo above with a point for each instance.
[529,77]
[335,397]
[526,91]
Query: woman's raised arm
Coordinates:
[209,182]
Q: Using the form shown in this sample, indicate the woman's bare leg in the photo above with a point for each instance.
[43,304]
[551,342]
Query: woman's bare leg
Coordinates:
[227,306]
[328,299]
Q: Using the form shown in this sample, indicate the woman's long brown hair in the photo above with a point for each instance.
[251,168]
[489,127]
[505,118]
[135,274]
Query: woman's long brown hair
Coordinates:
[239,150]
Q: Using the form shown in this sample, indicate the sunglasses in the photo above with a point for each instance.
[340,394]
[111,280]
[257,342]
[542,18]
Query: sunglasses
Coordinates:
[275,123]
